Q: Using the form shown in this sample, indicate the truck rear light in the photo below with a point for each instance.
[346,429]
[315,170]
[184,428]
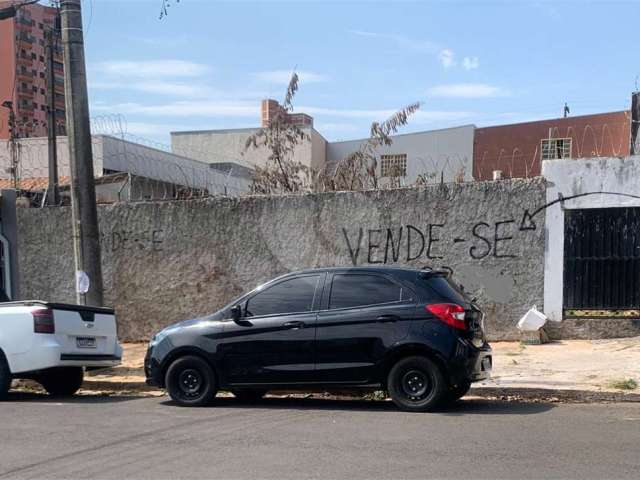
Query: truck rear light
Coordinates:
[449,313]
[43,321]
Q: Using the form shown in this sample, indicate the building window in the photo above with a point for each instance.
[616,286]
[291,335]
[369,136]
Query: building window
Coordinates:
[393,165]
[556,148]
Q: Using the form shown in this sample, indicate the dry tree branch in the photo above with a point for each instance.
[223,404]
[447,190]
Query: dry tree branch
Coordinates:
[282,172]
[359,169]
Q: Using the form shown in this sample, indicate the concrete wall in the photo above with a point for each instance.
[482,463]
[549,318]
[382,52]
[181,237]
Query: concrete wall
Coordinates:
[576,177]
[168,261]
[447,152]
[229,146]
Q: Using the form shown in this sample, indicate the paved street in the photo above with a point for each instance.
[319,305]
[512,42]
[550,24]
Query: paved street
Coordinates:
[102,437]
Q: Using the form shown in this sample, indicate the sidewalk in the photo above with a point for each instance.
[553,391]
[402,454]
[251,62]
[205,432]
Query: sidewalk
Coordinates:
[569,370]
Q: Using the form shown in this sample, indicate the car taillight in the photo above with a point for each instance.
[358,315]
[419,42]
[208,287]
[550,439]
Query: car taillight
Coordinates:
[449,313]
[43,321]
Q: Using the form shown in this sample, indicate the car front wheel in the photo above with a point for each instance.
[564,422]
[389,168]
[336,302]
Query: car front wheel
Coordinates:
[416,384]
[191,382]
[62,381]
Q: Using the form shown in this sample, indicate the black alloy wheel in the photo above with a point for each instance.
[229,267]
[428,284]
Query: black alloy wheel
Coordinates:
[416,384]
[191,382]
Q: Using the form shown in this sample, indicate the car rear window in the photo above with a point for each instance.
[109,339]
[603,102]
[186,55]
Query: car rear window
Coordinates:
[446,289]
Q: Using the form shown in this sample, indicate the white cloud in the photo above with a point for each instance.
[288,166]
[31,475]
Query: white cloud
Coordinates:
[470,63]
[158,87]
[249,109]
[446,58]
[421,116]
[467,90]
[152,68]
[282,77]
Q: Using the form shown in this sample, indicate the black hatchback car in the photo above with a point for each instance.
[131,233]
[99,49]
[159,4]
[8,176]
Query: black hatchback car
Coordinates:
[411,332]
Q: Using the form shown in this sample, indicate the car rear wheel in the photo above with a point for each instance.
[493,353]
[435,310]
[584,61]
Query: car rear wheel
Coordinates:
[249,395]
[5,377]
[62,381]
[416,384]
[191,382]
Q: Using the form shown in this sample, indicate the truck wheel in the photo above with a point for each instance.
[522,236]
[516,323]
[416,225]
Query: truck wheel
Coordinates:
[191,382]
[249,395]
[5,377]
[62,381]
[416,384]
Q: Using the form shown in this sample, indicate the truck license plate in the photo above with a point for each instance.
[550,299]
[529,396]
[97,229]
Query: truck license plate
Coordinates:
[86,342]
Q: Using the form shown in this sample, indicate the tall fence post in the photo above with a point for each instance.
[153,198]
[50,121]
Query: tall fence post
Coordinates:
[635,123]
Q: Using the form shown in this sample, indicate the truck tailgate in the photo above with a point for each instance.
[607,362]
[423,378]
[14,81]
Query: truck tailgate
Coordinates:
[85,331]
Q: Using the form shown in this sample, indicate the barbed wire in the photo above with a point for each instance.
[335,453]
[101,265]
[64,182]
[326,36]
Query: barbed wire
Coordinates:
[606,139]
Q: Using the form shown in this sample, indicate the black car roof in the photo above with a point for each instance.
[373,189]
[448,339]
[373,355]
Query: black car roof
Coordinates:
[367,268]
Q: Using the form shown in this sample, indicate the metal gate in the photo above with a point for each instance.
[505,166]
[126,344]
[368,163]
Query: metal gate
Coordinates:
[602,262]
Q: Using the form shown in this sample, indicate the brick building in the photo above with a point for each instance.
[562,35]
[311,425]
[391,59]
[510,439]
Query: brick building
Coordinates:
[517,150]
[23,71]
[270,108]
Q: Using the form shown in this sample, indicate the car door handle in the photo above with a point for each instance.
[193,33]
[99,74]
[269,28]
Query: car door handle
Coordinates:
[294,325]
[387,318]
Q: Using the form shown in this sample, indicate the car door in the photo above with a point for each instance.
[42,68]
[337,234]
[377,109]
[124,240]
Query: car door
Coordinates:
[362,315]
[273,342]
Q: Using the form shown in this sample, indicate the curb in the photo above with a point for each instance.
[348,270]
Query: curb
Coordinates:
[543,395]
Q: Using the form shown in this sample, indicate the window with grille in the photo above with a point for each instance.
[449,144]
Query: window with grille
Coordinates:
[556,148]
[393,165]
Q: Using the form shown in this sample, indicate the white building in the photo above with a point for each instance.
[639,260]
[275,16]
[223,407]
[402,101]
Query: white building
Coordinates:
[445,155]
[436,155]
[151,172]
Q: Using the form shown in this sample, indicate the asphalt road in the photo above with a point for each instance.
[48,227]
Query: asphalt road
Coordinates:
[101,437]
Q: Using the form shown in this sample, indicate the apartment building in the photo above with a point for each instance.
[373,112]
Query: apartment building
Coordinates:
[23,72]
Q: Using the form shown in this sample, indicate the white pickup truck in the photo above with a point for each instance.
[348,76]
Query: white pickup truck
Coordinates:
[52,343]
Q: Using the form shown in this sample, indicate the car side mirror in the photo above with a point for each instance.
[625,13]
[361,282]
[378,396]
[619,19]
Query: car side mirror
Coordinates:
[236,313]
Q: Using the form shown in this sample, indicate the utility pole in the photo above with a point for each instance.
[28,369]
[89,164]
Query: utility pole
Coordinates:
[635,123]
[52,191]
[86,235]
[13,143]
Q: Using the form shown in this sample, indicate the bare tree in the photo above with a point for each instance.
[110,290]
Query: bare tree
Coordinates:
[282,173]
[359,169]
[164,8]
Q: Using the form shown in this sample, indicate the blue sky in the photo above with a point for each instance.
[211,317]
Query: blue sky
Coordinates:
[208,64]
